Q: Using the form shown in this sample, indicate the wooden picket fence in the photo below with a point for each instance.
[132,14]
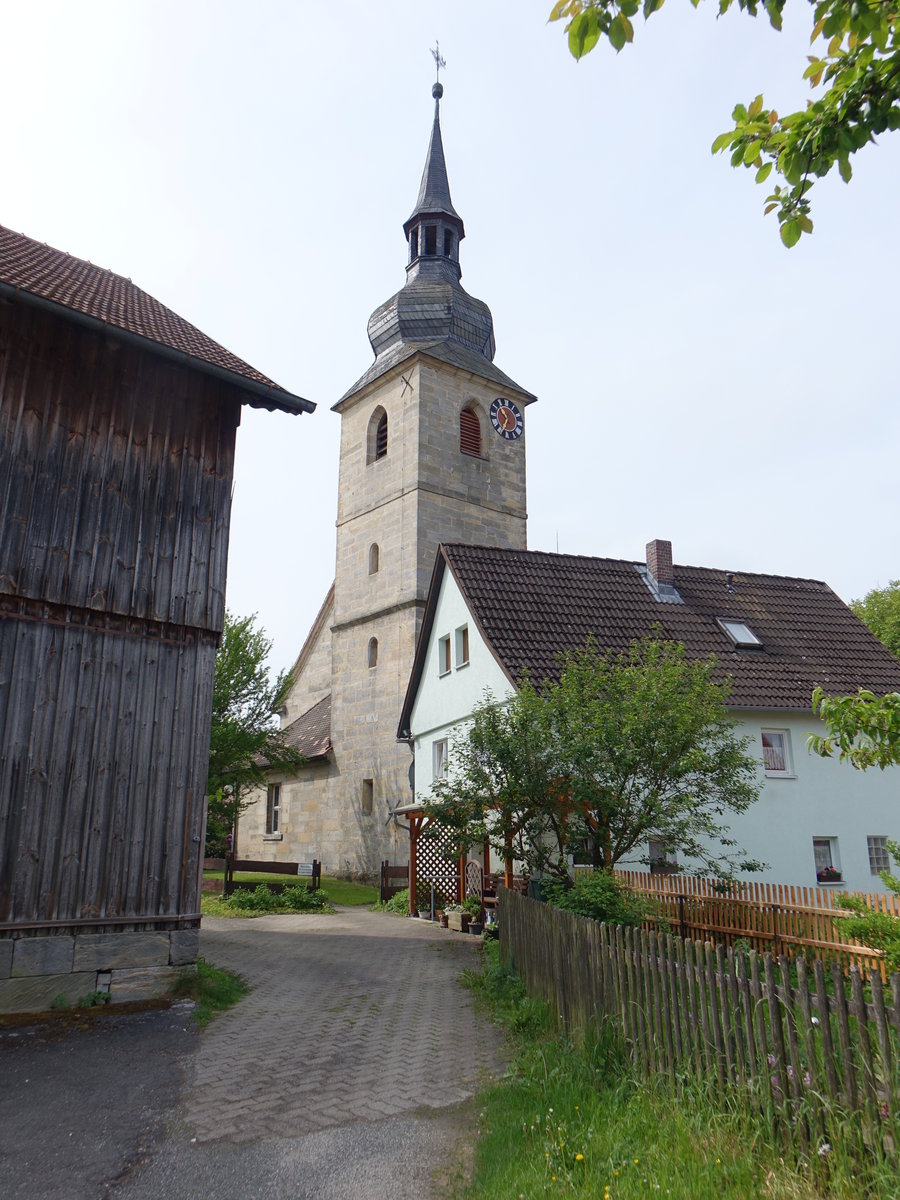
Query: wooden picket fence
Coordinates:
[811,1049]
[778,918]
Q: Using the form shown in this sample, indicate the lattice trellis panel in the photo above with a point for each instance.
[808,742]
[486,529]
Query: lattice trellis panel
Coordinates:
[474,879]
[431,867]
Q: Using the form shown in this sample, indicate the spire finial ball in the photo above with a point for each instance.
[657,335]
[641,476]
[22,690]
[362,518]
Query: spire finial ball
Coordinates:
[437,90]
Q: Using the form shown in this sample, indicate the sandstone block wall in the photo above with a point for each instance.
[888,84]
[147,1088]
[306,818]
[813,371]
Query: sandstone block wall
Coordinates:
[38,973]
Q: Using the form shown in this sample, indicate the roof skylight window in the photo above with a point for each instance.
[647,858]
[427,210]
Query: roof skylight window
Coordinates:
[741,634]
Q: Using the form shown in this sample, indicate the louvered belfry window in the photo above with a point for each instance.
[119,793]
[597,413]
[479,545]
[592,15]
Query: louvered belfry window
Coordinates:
[469,433]
[381,437]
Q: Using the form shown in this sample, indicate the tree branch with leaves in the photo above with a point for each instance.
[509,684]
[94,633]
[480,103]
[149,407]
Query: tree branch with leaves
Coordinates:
[857,68]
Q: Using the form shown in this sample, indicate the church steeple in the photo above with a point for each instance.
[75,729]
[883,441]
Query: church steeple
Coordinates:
[434,229]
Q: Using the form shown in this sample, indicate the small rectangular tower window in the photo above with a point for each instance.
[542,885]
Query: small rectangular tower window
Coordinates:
[430,239]
[368,796]
[444,655]
[462,647]
[448,243]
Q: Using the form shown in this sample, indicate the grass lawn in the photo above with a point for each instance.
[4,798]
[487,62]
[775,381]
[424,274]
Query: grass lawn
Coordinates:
[337,891]
[574,1121]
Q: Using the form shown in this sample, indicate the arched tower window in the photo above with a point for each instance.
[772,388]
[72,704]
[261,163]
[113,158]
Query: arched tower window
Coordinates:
[377,436]
[372,654]
[469,432]
[373,559]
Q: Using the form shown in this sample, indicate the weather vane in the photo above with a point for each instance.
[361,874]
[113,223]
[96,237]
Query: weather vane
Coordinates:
[438,61]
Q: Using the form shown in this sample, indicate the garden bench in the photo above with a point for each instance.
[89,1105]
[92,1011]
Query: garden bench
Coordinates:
[311,871]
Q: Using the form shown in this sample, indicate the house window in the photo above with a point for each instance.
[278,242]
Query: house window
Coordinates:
[373,559]
[377,436]
[273,808]
[776,751]
[444,656]
[741,635]
[368,796]
[879,858]
[372,653]
[662,858]
[470,433]
[439,751]
[825,853]
[462,647]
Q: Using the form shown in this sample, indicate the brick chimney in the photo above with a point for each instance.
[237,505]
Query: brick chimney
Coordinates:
[659,562]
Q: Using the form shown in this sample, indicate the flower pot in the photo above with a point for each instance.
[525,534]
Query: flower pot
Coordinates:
[475,927]
[458,921]
[424,914]
[445,920]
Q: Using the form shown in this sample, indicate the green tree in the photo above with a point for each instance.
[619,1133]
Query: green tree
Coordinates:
[878,930]
[624,747]
[880,610]
[857,69]
[864,729]
[502,788]
[245,740]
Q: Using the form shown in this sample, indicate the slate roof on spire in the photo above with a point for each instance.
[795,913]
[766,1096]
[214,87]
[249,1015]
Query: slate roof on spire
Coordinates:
[434,190]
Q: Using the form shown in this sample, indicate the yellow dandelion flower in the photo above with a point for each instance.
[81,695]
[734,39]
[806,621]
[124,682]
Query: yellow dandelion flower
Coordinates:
[579,1158]
[635,1162]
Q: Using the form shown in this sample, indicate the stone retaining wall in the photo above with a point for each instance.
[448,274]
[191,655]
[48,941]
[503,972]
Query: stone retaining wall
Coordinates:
[36,971]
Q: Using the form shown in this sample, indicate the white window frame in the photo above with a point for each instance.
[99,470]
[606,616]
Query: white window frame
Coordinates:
[440,750]
[772,772]
[444,664]
[876,845]
[462,646]
[826,853]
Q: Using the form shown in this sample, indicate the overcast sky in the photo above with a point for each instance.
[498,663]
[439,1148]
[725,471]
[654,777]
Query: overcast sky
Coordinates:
[251,166]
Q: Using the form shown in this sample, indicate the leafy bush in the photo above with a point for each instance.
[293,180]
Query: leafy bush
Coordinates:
[598,895]
[263,900]
[472,905]
[398,903]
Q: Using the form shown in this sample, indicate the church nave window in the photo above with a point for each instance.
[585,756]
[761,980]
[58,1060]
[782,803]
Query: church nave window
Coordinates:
[470,432]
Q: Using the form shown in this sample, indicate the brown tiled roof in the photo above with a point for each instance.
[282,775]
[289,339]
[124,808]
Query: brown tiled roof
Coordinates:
[37,271]
[531,605]
[311,733]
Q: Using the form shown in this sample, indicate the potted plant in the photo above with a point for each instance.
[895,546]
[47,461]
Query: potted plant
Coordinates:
[425,891]
[457,917]
[828,875]
[472,905]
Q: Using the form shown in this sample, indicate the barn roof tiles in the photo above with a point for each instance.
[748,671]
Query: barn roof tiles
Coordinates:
[38,273]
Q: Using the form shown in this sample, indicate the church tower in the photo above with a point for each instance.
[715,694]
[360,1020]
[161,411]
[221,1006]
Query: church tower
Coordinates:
[432,450]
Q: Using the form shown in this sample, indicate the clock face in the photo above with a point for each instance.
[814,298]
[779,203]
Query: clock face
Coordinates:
[506,419]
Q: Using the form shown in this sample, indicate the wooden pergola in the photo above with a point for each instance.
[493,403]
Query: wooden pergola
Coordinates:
[417,820]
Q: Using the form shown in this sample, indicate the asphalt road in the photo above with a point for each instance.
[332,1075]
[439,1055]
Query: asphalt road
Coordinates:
[347,1071]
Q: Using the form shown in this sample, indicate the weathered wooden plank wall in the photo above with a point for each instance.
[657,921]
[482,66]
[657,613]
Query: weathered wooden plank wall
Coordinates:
[115,475]
[115,495]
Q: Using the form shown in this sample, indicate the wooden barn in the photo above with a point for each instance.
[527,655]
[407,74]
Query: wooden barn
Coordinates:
[117,437]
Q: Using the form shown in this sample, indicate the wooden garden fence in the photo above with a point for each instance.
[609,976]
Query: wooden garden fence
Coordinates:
[779,918]
[807,1046]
